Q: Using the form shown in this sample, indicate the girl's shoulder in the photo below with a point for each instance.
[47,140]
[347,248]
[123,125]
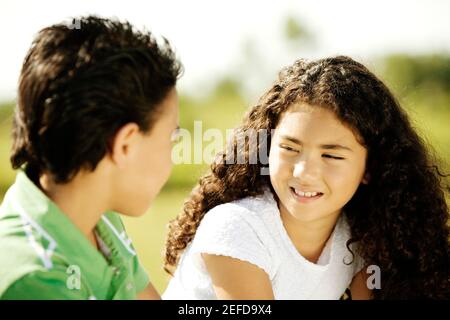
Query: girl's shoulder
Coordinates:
[255,210]
[239,229]
[251,219]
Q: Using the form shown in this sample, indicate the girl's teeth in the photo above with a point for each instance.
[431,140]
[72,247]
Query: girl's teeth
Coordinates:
[306,194]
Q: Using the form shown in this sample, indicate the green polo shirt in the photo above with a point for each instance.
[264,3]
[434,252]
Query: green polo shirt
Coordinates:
[43,255]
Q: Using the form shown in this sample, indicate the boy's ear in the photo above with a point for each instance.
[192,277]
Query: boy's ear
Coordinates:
[366,178]
[123,142]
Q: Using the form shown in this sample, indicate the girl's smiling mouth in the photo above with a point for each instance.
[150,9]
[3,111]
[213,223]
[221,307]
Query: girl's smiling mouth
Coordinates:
[305,197]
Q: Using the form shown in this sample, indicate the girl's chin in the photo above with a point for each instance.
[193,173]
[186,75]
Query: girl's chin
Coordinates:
[304,216]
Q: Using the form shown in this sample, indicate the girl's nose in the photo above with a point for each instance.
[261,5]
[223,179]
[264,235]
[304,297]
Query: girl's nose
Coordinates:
[306,170]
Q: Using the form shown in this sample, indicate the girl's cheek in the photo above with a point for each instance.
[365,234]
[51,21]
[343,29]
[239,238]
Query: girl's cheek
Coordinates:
[275,170]
[275,160]
[340,175]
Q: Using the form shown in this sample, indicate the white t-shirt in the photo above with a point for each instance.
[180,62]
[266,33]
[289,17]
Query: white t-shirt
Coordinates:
[251,230]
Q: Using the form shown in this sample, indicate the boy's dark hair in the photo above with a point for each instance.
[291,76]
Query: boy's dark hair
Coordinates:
[79,86]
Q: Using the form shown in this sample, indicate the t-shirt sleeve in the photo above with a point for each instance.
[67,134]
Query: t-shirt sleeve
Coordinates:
[46,285]
[227,230]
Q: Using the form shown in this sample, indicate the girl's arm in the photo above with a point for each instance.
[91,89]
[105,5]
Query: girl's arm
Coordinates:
[358,287]
[234,279]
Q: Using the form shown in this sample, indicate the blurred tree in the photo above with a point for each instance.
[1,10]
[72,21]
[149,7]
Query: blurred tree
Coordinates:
[228,86]
[296,33]
[6,110]
[6,173]
[423,77]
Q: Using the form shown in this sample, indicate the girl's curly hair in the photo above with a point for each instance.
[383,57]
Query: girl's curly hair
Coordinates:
[400,219]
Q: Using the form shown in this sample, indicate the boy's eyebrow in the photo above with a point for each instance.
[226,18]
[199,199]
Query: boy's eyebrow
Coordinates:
[331,146]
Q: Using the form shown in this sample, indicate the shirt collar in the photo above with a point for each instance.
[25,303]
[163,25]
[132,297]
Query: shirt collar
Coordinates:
[63,237]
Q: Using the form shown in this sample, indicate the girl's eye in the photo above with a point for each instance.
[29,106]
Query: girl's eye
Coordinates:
[285,147]
[332,157]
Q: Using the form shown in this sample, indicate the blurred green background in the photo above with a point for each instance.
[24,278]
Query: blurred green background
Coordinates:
[421,83]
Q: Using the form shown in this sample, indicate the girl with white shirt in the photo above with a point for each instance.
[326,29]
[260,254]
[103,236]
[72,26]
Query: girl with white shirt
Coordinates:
[348,184]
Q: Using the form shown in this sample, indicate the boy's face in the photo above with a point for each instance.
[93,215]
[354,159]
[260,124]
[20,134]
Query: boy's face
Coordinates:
[147,164]
[302,159]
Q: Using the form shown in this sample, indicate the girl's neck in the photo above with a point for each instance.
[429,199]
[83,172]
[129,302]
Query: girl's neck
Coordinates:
[308,237]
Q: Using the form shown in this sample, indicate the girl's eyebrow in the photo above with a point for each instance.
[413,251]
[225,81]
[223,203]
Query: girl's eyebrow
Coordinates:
[330,146]
[335,146]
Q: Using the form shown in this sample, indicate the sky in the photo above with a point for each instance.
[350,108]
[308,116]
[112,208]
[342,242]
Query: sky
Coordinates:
[209,36]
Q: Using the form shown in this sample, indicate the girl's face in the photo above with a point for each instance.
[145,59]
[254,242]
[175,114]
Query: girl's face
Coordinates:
[316,163]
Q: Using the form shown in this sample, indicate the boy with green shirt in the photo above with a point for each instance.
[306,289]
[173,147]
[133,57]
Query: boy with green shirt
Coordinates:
[96,116]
